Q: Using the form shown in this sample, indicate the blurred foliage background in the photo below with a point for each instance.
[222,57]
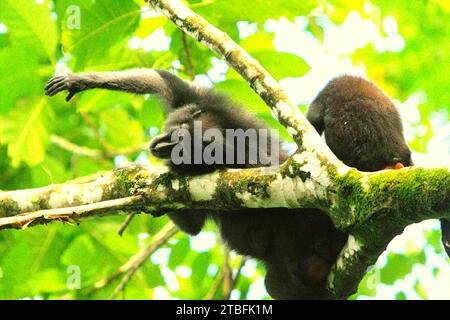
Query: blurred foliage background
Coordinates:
[401,45]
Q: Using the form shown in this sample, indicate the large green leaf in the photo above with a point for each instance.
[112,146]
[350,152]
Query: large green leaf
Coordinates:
[230,11]
[400,265]
[258,41]
[23,75]
[93,260]
[23,130]
[423,63]
[102,24]
[15,267]
[243,94]
[281,64]
[199,268]
[179,252]
[119,130]
[30,24]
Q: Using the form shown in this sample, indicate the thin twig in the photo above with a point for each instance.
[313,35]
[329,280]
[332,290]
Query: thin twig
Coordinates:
[227,274]
[109,153]
[130,268]
[226,278]
[125,224]
[89,178]
[66,214]
[74,148]
[221,277]
[91,122]
[226,295]
[187,52]
[215,286]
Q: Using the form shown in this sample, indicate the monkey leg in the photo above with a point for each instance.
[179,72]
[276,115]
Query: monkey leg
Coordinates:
[188,221]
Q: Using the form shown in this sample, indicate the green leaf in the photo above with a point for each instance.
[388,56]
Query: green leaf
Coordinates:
[421,291]
[434,239]
[120,57]
[282,64]
[179,252]
[119,130]
[30,24]
[95,100]
[200,56]
[230,11]
[148,25]
[152,275]
[50,170]
[400,265]
[102,25]
[241,93]
[93,260]
[50,280]
[401,296]
[15,265]
[367,286]
[423,63]
[153,113]
[23,130]
[23,75]
[199,267]
[258,42]
[4,40]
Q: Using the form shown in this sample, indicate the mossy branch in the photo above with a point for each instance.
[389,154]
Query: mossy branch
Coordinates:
[372,207]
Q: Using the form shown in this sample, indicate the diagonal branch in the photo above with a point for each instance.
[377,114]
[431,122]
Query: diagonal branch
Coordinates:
[127,270]
[250,69]
[133,265]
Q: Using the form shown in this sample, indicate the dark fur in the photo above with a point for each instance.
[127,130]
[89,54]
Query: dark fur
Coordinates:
[362,126]
[298,246]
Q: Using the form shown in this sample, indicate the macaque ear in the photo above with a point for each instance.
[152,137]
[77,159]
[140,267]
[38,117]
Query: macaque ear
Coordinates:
[398,165]
[161,146]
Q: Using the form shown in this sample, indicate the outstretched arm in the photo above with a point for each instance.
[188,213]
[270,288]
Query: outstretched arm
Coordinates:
[141,81]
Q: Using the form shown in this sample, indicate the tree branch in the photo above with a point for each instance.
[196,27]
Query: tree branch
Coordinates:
[68,214]
[73,148]
[257,77]
[130,268]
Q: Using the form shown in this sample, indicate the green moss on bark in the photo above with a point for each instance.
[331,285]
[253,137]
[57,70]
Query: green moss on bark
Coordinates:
[415,193]
[8,207]
[176,186]
[402,197]
[352,202]
[229,185]
[293,169]
[128,179]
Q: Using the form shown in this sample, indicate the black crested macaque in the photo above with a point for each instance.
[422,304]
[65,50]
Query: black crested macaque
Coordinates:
[363,129]
[297,246]
[362,126]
